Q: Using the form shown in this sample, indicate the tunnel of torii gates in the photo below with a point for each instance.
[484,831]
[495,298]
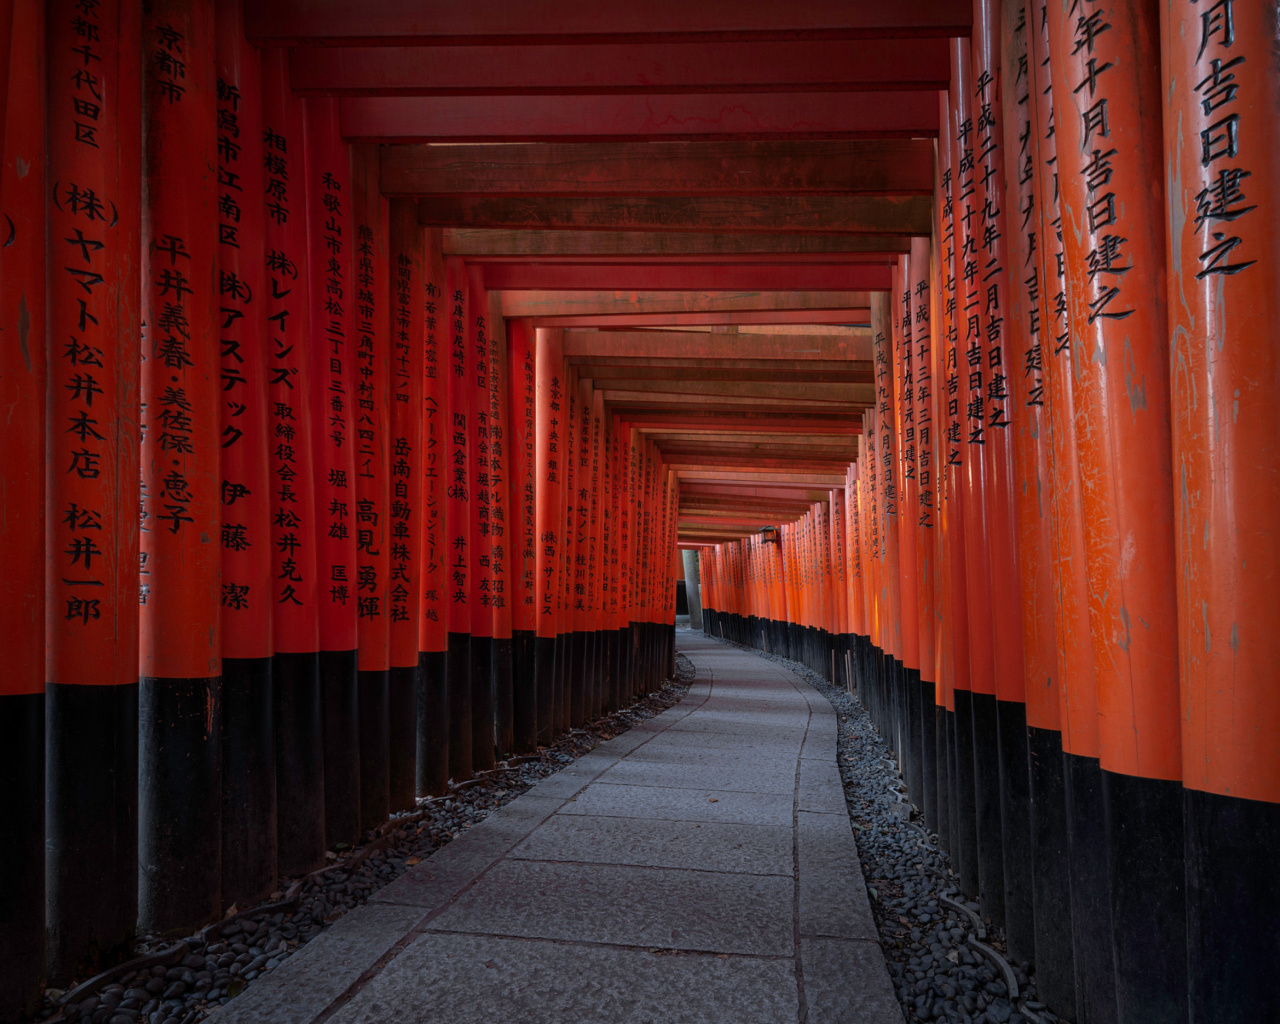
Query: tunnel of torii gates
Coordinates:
[338,461]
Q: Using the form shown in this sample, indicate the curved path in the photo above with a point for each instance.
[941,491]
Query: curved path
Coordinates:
[698,868]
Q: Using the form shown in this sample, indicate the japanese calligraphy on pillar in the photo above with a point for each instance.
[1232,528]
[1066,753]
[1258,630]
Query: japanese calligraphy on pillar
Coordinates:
[433,633]
[180,561]
[289,376]
[499,453]
[459,445]
[245,488]
[344,516]
[919,391]
[92,293]
[991,275]
[371,295]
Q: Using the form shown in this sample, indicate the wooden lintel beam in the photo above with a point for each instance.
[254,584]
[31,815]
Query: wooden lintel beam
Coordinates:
[411,22]
[857,317]
[659,277]
[851,215]
[495,242]
[702,345]
[809,392]
[541,303]
[733,168]
[600,373]
[557,68]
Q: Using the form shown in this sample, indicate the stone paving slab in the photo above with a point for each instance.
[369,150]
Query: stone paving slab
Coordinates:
[469,979]
[698,868]
[629,906]
[694,846]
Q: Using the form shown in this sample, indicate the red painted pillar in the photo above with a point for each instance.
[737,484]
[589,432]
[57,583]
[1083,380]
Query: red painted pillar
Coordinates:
[407,298]
[522,540]
[1077,902]
[370,300]
[180,782]
[328,211]
[958,450]
[1222,169]
[1110,159]
[296,633]
[91,544]
[550,429]
[249,853]
[23,376]
[1038,910]
[433,625]
[596,586]
[481,583]
[920,439]
[1005,809]
[976,716]
[503,532]
[460,560]
[579,510]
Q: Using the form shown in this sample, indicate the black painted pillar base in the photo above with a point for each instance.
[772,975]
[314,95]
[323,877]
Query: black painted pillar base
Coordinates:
[577,646]
[340,703]
[560,689]
[928,754]
[458,665]
[1148,903]
[1233,906]
[965,853]
[591,677]
[1051,879]
[402,737]
[300,828]
[1090,892]
[524,692]
[482,706]
[433,724]
[942,780]
[179,803]
[955,845]
[504,695]
[544,671]
[22,855]
[248,781]
[621,667]
[375,765]
[1015,829]
[91,831]
[986,787]
[913,733]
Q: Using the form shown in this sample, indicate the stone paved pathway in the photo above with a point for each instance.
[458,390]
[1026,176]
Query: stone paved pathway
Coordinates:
[698,868]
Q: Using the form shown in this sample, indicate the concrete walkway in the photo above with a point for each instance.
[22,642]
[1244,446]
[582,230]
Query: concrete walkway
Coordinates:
[698,868]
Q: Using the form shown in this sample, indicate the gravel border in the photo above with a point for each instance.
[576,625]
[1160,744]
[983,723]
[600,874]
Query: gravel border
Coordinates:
[946,963]
[181,983]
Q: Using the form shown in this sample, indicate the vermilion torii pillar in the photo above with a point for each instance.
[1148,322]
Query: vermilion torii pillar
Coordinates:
[458,555]
[1222,169]
[956,450]
[1073,899]
[408,308]
[332,353]
[481,584]
[549,432]
[95,179]
[921,436]
[23,370]
[180,672]
[1038,912]
[296,632]
[249,853]
[433,630]
[1110,160]
[501,529]
[369,298]
[522,538]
